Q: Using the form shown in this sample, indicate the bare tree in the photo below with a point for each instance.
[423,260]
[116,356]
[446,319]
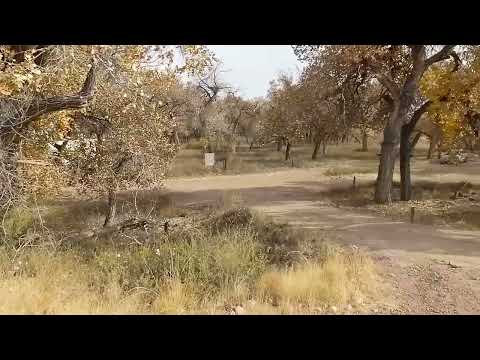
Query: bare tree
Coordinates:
[211,88]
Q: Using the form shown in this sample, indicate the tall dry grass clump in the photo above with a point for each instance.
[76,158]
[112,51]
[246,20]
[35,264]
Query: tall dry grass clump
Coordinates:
[338,281]
[234,261]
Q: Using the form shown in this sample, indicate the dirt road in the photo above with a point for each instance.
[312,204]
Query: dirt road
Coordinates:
[432,269]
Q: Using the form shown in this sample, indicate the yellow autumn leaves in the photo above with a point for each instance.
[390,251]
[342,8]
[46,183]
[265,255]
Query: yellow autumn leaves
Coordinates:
[452,95]
[15,77]
[132,86]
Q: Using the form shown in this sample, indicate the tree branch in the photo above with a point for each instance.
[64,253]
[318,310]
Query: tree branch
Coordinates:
[418,57]
[414,141]
[416,116]
[41,106]
[388,82]
[88,87]
[443,54]
[457,61]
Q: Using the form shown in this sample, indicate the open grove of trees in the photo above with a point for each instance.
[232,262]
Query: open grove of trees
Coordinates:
[83,129]
[368,88]
[107,118]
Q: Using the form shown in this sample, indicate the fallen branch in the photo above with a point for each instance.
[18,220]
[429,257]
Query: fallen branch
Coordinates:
[132,224]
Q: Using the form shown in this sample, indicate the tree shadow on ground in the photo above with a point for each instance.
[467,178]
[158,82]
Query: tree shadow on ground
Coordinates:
[301,206]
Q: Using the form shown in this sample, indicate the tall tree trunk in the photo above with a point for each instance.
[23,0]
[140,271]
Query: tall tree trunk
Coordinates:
[406,150]
[364,141]
[405,156]
[391,138]
[287,151]
[315,150]
[383,186]
[112,207]
[324,147]
[401,102]
[391,135]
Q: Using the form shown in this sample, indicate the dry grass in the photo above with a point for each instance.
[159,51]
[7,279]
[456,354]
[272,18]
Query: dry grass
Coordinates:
[189,161]
[461,213]
[244,260]
[341,280]
[41,283]
[341,171]
[433,202]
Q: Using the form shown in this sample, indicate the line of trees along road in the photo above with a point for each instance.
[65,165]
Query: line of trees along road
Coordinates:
[128,108]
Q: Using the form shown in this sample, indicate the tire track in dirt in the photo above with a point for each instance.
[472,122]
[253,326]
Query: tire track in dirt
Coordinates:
[413,258]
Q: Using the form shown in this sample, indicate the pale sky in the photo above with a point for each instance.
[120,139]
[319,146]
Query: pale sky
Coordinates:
[250,68]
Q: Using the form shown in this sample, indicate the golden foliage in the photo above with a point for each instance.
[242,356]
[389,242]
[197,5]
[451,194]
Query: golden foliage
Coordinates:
[130,96]
[453,94]
[14,77]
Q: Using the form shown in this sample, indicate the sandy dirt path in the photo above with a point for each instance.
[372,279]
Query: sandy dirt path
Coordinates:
[431,269]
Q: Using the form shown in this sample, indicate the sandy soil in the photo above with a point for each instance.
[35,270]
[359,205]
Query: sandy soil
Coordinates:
[431,269]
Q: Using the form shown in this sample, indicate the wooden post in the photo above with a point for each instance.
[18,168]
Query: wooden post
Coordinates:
[354,182]
[165,227]
[412,214]
[287,151]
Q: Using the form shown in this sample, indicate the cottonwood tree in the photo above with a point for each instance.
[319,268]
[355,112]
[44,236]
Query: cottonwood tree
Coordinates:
[327,105]
[248,126]
[24,99]
[282,121]
[252,128]
[238,115]
[138,149]
[447,101]
[399,69]
[211,87]
[369,112]
[187,103]
[335,102]
[307,110]
[131,146]
[454,96]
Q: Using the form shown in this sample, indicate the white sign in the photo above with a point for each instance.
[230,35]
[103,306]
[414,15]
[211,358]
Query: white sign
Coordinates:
[209,159]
